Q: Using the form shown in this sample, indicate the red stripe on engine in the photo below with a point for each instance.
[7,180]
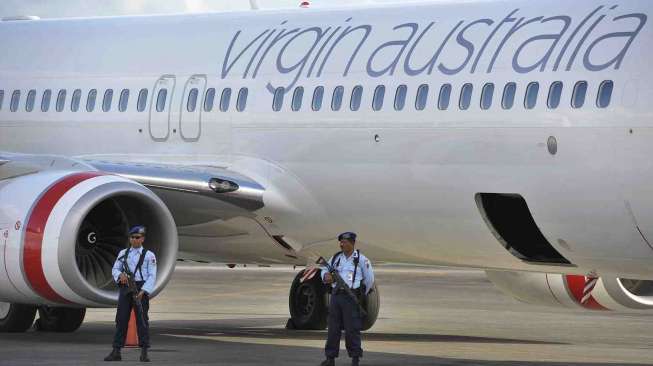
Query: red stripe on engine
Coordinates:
[32,249]
[576,285]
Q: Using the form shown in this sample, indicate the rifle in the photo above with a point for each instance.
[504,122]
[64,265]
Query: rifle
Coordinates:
[133,290]
[341,284]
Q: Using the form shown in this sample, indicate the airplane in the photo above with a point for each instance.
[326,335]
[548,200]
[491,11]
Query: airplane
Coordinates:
[510,136]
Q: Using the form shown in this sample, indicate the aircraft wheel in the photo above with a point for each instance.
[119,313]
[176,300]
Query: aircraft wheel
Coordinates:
[63,320]
[372,306]
[308,303]
[16,318]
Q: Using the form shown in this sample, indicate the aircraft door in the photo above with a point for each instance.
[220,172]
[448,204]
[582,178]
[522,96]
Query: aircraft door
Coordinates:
[190,126]
[160,108]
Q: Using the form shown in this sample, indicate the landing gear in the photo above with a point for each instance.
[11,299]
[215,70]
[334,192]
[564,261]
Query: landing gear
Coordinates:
[16,318]
[63,320]
[309,304]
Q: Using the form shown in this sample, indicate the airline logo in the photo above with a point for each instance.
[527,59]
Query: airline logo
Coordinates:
[598,41]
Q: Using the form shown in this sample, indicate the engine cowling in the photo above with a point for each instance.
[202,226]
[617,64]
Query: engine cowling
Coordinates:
[575,291]
[61,231]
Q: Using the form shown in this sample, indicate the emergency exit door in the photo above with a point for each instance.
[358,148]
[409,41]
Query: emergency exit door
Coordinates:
[160,108]
[190,116]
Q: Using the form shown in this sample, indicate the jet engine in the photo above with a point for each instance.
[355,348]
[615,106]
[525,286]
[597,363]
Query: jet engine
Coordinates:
[61,231]
[575,291]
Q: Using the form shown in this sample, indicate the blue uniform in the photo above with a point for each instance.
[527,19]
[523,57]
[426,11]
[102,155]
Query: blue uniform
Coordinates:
[343,311]
[145,279]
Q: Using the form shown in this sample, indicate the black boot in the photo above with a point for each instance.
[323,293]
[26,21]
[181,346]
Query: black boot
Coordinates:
[354,361]
[114,355]
[144,357]
[328,362]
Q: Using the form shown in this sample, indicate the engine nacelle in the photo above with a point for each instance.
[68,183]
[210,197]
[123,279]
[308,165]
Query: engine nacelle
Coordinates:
[575,291]
[61,231]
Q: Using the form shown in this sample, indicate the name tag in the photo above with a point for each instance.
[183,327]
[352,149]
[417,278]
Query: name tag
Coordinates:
[350,276]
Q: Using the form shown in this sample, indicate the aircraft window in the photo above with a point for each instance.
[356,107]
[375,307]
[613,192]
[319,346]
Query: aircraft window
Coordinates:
[191,104]
[142,100]
[466,96]
[422,97]
[277,101]
[580,91]
[31,97]
[379,95]
[90,101]
[74,103]
[336,101]
[161,100]
[532,90]
[225,99]
[444,97]
[61,100]
[124,100]
[605,94]
[486,96]
[15,99]
[2,98]
[400,97]
[508,99]
[297,98]
[106,101]
[241,103]
[318,96]
[209,97]
[356,97]
[555,91]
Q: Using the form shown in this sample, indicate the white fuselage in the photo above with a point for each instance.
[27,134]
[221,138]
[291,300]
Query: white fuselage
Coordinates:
[406,180]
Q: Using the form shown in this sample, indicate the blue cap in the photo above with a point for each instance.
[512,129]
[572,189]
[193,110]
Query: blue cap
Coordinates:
[138,229]
[347,236]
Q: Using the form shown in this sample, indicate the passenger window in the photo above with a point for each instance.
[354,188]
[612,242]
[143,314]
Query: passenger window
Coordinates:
[580,91]
[90,100]
[241,103]
[605,94]
[532,90]
[15,99]
[209,98]
[297,98]
[379,95]
[336,100]
[356,97]
[141,104]
[466,96]
[277,101]
[487,94]
[509,93]
[31,98]
[77,97]
[161,100]
[400,97]
[555,93]
[106,101]
[225,99]
[61,100]
[318,96]
[422,97]
[444,97]
[191,104]
[2,98]
[123,102]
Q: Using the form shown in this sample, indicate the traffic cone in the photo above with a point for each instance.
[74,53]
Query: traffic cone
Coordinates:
[132,334]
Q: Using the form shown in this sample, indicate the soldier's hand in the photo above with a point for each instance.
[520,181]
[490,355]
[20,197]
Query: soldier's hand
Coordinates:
[328,279]
[123,279]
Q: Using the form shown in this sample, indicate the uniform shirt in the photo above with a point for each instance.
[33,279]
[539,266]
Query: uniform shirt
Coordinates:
[346,266]
[148,268]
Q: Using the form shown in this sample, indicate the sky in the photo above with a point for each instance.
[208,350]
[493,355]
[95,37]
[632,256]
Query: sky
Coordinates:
[84,8]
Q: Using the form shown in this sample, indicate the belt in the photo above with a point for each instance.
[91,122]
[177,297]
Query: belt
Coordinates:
[341,291]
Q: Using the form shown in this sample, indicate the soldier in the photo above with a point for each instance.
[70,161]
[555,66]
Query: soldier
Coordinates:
[142,263]
[356,271]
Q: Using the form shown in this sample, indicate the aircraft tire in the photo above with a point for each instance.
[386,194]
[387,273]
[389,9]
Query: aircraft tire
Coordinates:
[372,306]
[62,320]
[16,318]
[308,303]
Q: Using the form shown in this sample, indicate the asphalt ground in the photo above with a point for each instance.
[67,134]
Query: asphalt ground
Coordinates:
[212,315]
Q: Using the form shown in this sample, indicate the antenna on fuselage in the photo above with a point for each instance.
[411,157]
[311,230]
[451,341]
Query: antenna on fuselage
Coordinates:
[254,4]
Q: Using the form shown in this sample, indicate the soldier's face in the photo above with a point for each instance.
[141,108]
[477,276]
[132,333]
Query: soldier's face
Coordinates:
[346,246]
[136,240]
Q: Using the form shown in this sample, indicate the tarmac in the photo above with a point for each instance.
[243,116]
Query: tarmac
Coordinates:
[213,315]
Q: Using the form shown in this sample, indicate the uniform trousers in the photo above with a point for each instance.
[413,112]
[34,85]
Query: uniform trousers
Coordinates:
[123,313]
[344,314]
